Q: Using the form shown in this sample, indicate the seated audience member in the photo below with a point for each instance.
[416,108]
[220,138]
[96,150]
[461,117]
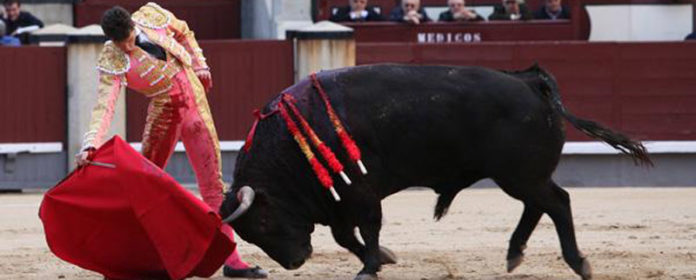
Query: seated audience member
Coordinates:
[409,11]
[458,12]
[7,40]
[511,10]
[19,22]
[691,36]
[552,9]
[357,11]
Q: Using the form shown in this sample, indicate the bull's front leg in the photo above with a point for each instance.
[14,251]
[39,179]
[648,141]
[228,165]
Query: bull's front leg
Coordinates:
[369,230]
[345,236]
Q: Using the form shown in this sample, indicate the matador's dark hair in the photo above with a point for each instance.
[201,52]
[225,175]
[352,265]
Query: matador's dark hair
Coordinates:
[117,23]
[10,2]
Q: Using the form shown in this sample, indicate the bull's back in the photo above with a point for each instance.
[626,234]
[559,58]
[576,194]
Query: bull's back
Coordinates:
[426,125]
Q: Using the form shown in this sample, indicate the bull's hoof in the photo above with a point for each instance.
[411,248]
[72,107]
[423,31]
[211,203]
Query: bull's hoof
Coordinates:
[249,273]
[583,269]
[515,258]
[366,276]
[514,263]
[586,271]
[386,256]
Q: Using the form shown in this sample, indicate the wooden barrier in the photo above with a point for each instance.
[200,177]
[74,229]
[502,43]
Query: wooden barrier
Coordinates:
[210,19]
[33,86]
[647,90]
[246,75]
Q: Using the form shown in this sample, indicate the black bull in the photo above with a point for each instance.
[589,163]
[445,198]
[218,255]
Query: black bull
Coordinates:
[440,127]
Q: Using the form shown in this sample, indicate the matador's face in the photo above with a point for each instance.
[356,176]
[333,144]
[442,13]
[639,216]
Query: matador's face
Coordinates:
[128,44]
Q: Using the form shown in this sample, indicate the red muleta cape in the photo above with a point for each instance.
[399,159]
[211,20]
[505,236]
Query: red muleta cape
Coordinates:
[132,220]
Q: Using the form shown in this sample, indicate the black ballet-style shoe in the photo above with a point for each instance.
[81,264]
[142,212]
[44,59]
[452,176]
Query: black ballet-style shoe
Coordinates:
[251,272]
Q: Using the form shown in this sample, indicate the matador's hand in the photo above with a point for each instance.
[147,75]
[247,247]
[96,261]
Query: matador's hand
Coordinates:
[84,157]
[205,78]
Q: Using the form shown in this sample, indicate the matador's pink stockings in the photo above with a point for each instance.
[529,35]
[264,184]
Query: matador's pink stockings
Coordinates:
[181,114]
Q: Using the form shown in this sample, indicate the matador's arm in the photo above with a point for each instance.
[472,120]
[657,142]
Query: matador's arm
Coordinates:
[185,36]
[103,112]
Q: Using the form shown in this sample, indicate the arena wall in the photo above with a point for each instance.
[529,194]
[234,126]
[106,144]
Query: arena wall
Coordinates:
[645,90]
[33,116]
[246,75]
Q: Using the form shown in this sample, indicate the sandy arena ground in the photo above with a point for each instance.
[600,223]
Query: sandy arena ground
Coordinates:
[628,233]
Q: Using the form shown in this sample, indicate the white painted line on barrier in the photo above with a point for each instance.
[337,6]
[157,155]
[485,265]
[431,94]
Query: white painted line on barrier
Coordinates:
[570,148]
[18,205]
[225,146]
[654,147]
[34,148]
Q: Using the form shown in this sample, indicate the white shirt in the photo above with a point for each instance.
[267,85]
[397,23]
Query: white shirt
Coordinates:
[362,14]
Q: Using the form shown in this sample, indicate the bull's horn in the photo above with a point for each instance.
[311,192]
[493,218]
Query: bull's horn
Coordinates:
[246,197]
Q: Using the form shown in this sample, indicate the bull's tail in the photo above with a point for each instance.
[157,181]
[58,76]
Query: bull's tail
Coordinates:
[595,130]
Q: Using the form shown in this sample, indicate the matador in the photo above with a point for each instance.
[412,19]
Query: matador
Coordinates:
[157,55]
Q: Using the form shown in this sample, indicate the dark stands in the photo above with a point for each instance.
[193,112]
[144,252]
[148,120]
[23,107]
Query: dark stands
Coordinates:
[357,11]
[211,19]
[324,8]
[579,18]
[511,10]
[552,9]
[6,40]
[19,23]
[462,32]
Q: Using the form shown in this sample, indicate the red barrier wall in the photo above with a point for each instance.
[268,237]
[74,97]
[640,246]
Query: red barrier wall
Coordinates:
[246,75]
[647,90]
[33,84]
[210,19]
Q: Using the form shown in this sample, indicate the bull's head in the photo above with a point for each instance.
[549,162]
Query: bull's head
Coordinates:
[260,220]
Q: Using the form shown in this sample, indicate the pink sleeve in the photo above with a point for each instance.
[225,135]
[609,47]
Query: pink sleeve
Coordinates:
[103,112]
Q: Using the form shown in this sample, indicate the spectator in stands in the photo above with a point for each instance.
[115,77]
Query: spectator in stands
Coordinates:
[552,9]
[458,12]
[511,10]
[7,40]
[357,11]
[409,11]
[19,22]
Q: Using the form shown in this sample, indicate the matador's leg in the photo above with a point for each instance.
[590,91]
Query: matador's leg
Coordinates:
[203,150]
[162,129]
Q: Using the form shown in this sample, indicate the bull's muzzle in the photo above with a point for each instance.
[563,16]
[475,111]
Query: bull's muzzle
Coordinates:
[246,197]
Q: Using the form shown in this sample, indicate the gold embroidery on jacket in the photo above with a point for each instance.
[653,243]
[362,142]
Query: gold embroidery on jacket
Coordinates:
[113,60]
[152,16]
[156,73]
